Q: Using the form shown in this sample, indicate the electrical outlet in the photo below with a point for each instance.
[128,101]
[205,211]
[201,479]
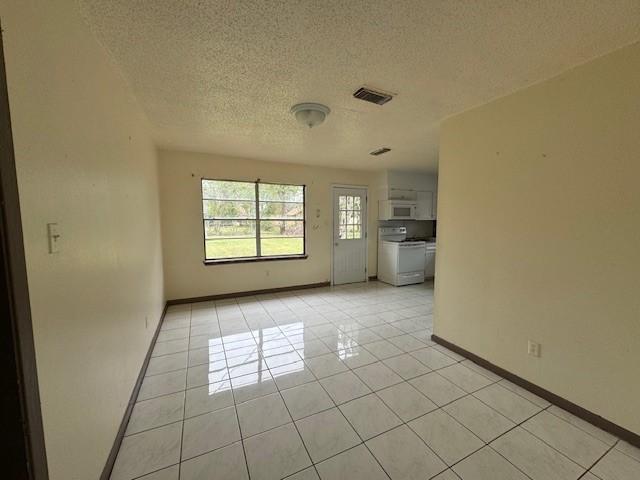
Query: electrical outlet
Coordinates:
[533,348]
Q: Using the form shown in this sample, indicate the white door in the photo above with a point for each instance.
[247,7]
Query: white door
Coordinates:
[349,235]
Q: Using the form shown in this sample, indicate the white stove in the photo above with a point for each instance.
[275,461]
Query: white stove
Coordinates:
[400,261]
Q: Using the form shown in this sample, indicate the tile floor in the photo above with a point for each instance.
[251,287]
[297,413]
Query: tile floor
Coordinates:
[343,383]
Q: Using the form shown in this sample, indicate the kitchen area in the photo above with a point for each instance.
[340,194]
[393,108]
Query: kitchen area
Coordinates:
[407,225]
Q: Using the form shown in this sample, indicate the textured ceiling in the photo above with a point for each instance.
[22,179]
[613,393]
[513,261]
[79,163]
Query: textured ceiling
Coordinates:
[220,76]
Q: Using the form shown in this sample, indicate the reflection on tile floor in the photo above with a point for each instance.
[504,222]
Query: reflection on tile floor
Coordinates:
[343,383]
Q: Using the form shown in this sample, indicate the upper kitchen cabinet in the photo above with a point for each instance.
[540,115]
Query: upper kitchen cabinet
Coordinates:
[425,206]
[421,188]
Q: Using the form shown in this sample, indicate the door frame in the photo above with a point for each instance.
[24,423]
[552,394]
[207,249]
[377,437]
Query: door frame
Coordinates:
[365,224]
[23,407]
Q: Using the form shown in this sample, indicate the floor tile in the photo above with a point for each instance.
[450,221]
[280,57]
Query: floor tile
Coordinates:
[307,399]
[465,378]
[447,438]
[170,473]
[200,356]
[209,432]
[147,452]
[356,357]
[406,366]
[276,453]
[407,343]
[213,372]
[509,404]
[261,414]
[282,359]
[173,334]
[438,389]
[481,370]
[325,365]
[579,446]
[326,434]
[591,429]
[369,416]
[306,474]
[252,386]
[289,376]
[432,358]
[172,346]
[208,398]
[354,464]
[405,401]
[446,475]
[449,353]
[541,402]
[162,384]
[484,421]
[486,464]
[617,466]
[312,348]
[167,363]
[156,412]
[227,463]
[382,349]
[535,458]
[377,376]
[403,455]
[628,449]
[344,387]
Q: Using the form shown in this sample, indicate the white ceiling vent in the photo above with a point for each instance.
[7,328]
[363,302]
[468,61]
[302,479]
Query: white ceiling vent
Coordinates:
[373,96]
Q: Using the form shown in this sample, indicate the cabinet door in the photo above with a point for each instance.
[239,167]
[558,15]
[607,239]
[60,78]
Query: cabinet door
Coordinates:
[401,194]
[424,208]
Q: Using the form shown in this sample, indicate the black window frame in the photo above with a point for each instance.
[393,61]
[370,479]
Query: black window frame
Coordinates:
[259,257]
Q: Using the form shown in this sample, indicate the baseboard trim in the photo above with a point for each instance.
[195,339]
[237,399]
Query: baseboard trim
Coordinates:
[248,293]
[561,402]
[111,459]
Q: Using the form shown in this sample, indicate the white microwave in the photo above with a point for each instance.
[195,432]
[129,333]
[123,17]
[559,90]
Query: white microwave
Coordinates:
[397,210]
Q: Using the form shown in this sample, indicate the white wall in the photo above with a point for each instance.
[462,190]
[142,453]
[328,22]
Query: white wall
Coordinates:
[185,274]
[539,234]
[84,159]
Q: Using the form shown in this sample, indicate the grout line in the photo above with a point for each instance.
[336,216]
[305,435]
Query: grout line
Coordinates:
[184,406]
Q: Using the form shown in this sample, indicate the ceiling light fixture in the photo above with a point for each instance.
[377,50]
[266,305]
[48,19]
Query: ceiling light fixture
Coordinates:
[310,114]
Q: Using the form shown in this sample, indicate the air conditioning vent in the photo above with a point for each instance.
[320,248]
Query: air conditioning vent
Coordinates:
[368,95]
[380,151]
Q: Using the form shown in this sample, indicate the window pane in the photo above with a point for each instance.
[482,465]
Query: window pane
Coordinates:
[281,210]
[356,232]
[230,238]
[342,202]
[350,202]
[343,218]
[225,190]
[230,248]
[282,246]
[228,209]
[281,193]
[356,203]
[229,229]
[288,228]
[343,232]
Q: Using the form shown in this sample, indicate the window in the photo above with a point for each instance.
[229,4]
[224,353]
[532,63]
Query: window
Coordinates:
[252,220]
[350,213]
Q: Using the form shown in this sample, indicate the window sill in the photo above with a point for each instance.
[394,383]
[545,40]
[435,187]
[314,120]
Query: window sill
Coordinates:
[254,259]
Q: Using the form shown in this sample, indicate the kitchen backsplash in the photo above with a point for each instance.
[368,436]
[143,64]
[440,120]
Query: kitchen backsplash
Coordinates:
[415,228]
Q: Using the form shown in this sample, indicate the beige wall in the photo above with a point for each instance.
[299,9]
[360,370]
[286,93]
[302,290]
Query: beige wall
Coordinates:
[84,160]
[539,234]
[185,274]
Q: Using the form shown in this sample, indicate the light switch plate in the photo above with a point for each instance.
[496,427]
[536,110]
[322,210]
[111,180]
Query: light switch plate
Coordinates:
[533,348]
[53,232]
